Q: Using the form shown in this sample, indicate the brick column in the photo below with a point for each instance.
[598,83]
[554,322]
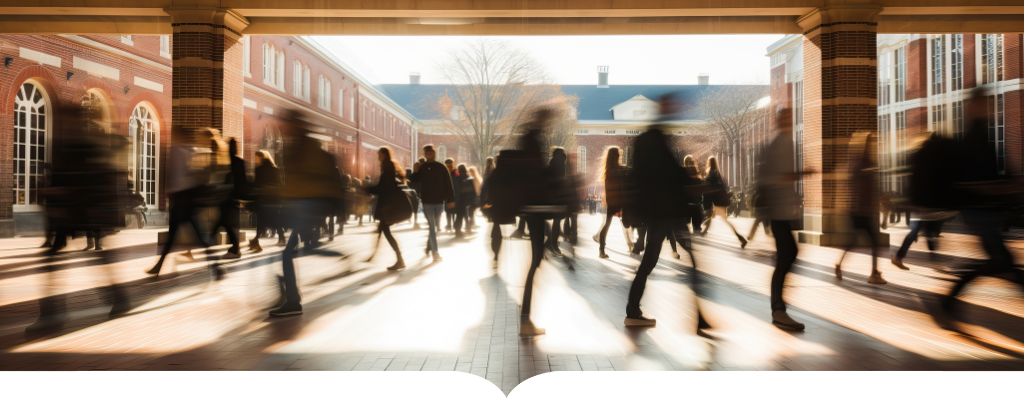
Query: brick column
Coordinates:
[207,71]
[840,98]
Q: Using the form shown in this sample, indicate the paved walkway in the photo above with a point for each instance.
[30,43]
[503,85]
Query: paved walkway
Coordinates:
[461,314]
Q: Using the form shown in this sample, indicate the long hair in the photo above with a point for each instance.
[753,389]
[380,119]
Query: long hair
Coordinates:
[263,153]
[477,180]
[712,165]
[612,161]
[399,172]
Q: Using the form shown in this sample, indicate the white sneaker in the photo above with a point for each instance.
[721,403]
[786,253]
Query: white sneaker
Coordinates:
[231,255]
[437,257]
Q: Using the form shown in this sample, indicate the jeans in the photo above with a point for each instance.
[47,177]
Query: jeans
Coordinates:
[931,229]
[300,213]
[785,256]
[432,211]
[536,227]
[656,235]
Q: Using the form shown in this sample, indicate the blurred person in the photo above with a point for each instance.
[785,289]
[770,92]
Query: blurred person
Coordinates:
[662,203]
[613,174]
[555,171]
[345,204]
[488,167]
[417,186]
[372,204]
[757,205]
[777,179]
[191,167]
[239,183]
[478,182]
[464,197]
[717,199]
[392,204]
[267,182]
[310,191]
[864,211]
[437,192]
[930,178]
[450,212]
[500,202]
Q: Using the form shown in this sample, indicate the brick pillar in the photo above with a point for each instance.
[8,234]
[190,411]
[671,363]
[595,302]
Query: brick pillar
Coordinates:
[207,71]
[840,98]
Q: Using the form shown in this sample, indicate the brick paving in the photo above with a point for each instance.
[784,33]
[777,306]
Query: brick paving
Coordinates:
[460,314]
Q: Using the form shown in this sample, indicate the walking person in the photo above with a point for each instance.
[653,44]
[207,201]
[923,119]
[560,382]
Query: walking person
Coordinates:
[760,211]
[464,198]
[657,175]
[416,186]
[556,172]
[310,192]
[613,174]
[436,193]
[392,204]
[717,199]
[450,212]
[239,182]
[930,178]
[478,182]
[864,213]
[495,193]
[777,178]
[267,182]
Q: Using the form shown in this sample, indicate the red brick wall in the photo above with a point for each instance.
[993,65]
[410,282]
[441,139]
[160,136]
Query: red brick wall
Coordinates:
[1014,146]
[812,133]
[63,91]
[917,69]
[970,69]
[1011,56]
[147,47]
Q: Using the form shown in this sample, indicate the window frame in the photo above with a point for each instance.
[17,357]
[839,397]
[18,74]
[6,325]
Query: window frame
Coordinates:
[47,105]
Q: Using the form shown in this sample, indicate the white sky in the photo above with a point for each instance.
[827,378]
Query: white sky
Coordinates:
[677,59]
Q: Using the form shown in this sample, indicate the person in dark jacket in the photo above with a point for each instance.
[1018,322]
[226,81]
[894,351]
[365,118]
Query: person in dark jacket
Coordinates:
[864,213]
[239,182]
[415,186]
[534,194]
[465,198]
[268,205]
[614,177]
[436,193]
[450,212]
[662,202]
[388,196]
[717,198]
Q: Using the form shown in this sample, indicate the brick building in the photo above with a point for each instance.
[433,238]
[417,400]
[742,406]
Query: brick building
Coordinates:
[130,78]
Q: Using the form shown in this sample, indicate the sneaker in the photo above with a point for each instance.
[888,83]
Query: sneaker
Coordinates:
[675,254]
[634,255]
[898,262]
[603,255]
[188,255]
[257,249]
[640,321]
[287,310]
[518,234]
[437,257]
[231,255]
[839,273]
[528,328]
[876,278]
[782,320]
[743,243]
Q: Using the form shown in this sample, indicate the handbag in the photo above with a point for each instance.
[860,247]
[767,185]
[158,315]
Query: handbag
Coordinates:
[397,207]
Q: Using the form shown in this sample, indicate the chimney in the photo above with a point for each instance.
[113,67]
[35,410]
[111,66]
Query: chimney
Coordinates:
[702,79]
[414,78]
[602,77]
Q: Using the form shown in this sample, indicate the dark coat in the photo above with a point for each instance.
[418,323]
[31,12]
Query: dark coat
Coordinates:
[387,190]
[435,183]
[656,175]
[615,187]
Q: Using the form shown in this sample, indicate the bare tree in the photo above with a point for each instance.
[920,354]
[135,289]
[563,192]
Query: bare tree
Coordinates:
[731,110]
[494,86]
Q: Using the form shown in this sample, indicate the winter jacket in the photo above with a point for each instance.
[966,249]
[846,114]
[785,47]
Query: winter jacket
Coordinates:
[435,183]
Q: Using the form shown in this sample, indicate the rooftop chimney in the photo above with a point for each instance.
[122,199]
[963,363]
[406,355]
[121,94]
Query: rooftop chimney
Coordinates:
[414,78]
[602,77]
[702,78]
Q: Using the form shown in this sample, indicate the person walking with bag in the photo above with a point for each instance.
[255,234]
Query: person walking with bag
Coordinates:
[392,203]
[613,175]
[437,192]
[718,199]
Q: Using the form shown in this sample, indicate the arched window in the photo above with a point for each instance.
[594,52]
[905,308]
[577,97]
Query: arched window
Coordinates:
[31,136]
[94,101]
[142,129]
[442,153]
[296,78]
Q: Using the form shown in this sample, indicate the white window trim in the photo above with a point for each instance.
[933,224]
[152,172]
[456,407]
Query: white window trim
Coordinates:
[246,56]
[165,47]
[49,143]
[156,143]
[127,39]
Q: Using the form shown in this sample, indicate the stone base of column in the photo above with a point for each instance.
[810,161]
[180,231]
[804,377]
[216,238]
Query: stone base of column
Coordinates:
[835,230]
[8,228]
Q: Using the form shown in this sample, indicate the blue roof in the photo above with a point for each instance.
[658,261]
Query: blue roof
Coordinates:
[594,103]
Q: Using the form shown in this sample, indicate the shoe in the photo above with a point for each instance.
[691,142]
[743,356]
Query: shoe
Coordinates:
[97,248]
[634,255]
[398,265]
[287,310]
[527,328]
[782,320]
[603,255]
[252,244]
[437,257]
[89,244]
[516,235]
[188,255]
[231,255]
[839,273]
[597,238]
[640,321]
[257,249]
[876,278]
[743,243]
[702,323]
[675,255]
[153,271]
[898,262]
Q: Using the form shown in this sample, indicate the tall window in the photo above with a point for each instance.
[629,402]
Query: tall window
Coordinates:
[884,143]
[956,54]
[246,54]
[462,155]
[279,70]
[581,160]
[305,83]
[798,131]
[165,46]
[939,118]
[958,120]
[273,66]
[996,129]
[798,103]
[341,103]
[901,148]
[626,159]
[296,78]
[31,136]
[442,153]
[938,62]
[991,58]
[900,63]
[884,61]
[324,93]
[143,134]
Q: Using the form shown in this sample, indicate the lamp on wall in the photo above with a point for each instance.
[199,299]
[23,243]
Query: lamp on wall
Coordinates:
[126,88]
[7,62]
[69,76]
